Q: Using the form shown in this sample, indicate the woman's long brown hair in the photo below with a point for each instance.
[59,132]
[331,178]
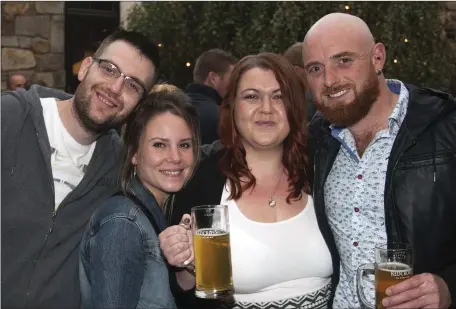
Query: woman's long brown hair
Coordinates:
[295,161]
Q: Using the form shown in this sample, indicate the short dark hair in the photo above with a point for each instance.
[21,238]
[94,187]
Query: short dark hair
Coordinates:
[163,98]
[294,55]
[213,60]
[146,46]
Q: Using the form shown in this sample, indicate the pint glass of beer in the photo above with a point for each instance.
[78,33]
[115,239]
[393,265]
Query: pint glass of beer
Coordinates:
[393,264]
[211,241]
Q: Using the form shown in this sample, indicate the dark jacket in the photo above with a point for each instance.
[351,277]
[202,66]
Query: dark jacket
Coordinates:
[311,109]
[420,188]
[122,265]
[206,101]
[205,188]
[40,246]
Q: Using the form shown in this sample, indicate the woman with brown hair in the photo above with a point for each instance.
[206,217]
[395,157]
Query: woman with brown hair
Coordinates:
[279,257]
[121,264]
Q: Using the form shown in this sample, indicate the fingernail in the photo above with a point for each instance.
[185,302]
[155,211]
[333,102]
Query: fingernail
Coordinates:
[385,302]
[186,221]
[388,292]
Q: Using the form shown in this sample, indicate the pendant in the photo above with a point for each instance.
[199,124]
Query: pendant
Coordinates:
[272,202]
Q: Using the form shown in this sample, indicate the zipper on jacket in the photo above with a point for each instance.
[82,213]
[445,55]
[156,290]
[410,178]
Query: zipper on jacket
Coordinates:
[54,215]
[47,235]
[427,160]
[51,227]
[438,154]
[35,262]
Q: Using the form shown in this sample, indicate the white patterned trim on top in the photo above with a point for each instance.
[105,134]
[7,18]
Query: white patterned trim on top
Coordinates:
[316,300]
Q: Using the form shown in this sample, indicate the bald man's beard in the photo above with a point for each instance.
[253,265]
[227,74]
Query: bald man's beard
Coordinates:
[346,114]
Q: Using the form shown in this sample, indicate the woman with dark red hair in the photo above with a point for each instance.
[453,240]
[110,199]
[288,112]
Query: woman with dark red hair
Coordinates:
[280,259]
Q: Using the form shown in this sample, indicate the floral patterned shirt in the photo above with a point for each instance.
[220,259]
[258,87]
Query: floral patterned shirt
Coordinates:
[354,200]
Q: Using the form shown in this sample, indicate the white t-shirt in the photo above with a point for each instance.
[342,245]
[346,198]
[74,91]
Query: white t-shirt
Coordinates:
[276,261]
[69,159]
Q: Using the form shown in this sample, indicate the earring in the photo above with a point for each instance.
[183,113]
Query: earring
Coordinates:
[379,72]
[134,171]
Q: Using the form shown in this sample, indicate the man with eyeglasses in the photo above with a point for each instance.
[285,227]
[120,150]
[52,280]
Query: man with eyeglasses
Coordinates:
[60,160]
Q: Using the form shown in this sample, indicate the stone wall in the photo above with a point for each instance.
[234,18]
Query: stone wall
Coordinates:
[32,40]
[449,20]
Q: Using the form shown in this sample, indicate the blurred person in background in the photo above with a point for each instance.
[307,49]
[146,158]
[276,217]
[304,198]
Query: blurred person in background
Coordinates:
[210,78]
[294,55]
[15,81]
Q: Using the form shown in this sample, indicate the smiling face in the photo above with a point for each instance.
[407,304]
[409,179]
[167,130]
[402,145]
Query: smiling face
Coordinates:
[348,101]
[341,60]
[101,103]
[165,158]
[259,111]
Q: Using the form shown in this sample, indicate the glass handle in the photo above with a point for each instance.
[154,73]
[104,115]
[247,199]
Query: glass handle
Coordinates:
[362,270]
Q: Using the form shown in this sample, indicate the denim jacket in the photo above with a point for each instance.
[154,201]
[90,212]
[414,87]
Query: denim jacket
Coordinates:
[121,264]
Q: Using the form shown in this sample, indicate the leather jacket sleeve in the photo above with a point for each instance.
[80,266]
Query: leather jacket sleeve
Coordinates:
[449,276]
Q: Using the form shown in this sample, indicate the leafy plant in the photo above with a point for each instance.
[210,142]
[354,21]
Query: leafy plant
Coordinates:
[417,51]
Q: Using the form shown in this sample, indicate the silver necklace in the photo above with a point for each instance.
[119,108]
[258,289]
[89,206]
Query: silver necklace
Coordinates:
[271,201]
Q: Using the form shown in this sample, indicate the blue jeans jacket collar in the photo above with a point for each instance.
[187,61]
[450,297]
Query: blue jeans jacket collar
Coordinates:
[137,188]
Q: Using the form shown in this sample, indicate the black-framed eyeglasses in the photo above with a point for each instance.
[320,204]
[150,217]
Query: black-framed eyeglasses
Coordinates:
[111,71]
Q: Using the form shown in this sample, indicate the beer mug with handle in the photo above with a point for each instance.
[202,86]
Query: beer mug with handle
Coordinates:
[211,242]
[393,264]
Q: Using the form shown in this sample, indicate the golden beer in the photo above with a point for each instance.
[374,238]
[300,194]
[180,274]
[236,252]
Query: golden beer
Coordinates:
[393,264]
[213,262]
[389,274]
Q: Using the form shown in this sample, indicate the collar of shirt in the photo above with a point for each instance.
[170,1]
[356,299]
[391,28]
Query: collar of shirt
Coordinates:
[400,110]
[397,116]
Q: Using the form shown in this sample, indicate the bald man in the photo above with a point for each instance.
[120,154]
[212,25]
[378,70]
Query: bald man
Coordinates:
[385,166]
[16,81]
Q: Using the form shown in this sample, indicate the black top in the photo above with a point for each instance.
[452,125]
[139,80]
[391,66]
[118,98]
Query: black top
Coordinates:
[206,101]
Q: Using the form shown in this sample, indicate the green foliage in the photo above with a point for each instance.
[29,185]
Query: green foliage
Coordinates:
[186,29]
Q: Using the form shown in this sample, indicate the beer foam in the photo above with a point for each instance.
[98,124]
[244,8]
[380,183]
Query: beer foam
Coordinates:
[208,232]
[396,268]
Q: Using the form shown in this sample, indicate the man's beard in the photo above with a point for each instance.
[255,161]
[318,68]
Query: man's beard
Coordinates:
[82,105]
[347,114]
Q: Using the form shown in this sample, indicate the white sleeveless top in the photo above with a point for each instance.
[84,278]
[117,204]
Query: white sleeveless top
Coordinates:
[277,261]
